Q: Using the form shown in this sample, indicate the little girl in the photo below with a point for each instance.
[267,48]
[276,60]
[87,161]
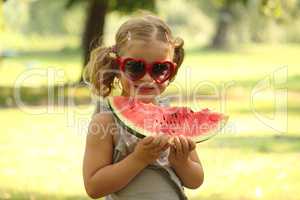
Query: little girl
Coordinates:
[118,165]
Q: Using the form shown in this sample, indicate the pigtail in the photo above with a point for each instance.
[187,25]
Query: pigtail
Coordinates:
[178,54]
[101,70]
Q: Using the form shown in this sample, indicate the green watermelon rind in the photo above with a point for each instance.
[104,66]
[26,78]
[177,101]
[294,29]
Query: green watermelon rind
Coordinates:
[213,133]
[129,126]
[141,133]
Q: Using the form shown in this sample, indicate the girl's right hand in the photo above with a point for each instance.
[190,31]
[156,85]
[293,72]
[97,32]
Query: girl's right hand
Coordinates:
[149,148]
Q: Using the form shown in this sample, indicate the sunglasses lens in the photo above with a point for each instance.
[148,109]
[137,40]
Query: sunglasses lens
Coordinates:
[134,69]
[161,71]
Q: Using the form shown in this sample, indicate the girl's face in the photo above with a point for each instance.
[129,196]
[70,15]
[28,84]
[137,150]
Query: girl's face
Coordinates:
[145,89]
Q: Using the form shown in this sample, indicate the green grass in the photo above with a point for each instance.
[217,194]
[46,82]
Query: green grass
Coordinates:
[41,158]
[42,147]
[231,172]
[40,155]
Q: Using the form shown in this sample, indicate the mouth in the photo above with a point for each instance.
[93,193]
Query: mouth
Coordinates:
[145,88]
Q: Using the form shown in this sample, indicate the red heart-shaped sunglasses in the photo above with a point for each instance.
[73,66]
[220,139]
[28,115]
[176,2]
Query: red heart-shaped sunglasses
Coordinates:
[135,69]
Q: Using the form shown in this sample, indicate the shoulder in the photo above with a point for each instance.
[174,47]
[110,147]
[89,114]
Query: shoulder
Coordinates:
[102,118]
[101,127]
[102,106]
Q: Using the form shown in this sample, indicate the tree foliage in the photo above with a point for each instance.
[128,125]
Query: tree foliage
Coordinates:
[95,18]
[228,12]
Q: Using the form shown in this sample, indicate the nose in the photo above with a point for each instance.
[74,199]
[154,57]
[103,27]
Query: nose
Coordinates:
[147,78]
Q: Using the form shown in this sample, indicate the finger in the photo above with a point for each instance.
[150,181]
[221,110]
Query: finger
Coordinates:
[192,144]
[172,151]
[165,147]
[177,145]
[155,154]
[184,144]
[171,141]
[164,141]
[147,140]
[154,144]
[157,140]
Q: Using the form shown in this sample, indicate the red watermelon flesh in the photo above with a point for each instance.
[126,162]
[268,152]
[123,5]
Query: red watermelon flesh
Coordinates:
[144,119]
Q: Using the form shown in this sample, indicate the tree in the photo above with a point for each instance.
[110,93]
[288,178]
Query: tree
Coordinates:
[228,12]
[227,16]
[96,11]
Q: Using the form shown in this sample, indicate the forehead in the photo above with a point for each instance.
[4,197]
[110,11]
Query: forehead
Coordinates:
[149,51]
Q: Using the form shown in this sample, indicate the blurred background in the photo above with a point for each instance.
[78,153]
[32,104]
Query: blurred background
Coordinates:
[242,58]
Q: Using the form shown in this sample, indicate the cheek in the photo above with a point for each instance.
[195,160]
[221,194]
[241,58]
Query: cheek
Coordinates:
[163,86]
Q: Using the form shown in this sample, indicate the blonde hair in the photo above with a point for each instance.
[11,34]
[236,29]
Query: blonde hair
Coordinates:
[102,60]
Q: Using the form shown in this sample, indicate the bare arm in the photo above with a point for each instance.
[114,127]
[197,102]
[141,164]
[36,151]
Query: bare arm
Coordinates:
[191,172]
[186,163]
[101,177]
[98,172]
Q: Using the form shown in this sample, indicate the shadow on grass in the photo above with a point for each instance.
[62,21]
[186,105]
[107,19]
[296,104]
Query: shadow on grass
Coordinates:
[55,95]
[272,144]
[209,50]
[20,195]
[15,194]
[68,52]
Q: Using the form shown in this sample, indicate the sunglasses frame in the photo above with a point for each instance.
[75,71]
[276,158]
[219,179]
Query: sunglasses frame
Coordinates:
[148,68]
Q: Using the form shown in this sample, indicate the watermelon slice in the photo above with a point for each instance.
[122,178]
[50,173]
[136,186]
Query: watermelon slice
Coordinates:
[145,119]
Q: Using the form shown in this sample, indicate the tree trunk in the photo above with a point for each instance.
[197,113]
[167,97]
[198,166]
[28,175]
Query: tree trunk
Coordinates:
[221,39]
[94,27]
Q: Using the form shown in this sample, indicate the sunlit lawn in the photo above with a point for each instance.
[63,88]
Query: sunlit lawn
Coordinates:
[41,157]
[41,154]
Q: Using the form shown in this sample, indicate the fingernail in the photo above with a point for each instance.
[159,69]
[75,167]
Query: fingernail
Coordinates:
[171,141]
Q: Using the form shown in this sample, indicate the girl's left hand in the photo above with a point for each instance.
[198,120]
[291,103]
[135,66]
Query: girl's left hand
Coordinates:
[180,150]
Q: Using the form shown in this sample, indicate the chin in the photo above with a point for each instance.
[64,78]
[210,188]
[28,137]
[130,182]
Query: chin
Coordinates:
[146,97]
